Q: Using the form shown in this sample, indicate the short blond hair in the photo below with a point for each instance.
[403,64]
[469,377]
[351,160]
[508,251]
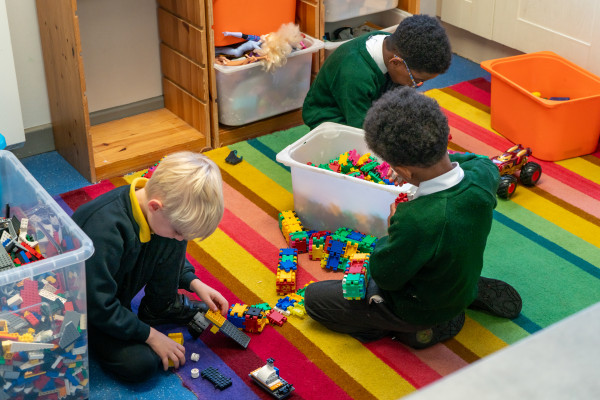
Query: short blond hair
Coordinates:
[190,187]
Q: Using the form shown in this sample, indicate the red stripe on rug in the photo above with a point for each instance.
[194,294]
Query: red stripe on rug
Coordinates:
[77,197]
[501,144]
[404,362]
[303,372]
[481,83]
[473,92]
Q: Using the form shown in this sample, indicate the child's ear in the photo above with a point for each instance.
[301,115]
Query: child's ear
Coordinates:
[404,172]
[154,204]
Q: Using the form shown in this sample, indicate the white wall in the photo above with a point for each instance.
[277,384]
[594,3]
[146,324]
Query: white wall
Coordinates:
[119,42]
[11,123]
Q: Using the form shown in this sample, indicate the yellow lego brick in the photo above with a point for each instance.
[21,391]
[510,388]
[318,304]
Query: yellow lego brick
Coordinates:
[363,159]
[215,317]
[238,310]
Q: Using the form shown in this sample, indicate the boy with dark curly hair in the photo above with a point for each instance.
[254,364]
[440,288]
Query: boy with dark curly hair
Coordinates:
[426,272]
[359,71]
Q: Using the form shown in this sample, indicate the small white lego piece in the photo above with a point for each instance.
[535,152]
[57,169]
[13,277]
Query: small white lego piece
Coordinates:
[195,372]
[195,356]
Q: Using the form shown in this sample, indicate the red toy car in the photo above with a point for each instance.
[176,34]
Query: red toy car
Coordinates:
[509,163]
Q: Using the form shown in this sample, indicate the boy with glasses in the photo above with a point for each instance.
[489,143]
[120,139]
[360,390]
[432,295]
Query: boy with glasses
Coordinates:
[359,71]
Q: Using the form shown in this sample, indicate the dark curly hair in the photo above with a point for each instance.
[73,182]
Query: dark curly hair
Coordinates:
[407,128]
[422,42]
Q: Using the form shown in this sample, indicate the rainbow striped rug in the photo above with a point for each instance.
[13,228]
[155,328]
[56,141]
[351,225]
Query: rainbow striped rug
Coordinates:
[545,241]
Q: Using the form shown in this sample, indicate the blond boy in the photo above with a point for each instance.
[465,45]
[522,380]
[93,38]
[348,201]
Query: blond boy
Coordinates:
[140,233]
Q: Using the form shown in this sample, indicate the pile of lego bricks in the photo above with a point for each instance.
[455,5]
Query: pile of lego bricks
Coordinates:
[365,167]
[18,247]
[345,250]
[42,333]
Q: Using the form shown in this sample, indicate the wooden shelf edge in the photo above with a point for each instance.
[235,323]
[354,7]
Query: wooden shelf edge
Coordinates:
[233,134]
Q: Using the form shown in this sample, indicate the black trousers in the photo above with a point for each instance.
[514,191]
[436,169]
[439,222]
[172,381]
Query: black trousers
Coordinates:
[127,360]
[325,303]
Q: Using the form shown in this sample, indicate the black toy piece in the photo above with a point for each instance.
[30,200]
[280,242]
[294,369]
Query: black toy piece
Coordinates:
[220,381]
[232,158]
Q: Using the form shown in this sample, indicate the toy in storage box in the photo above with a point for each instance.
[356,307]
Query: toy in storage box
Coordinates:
[337,10]
[326,200]
[43,319]
[388,20]
[248,93]
[252,17]
[554,130]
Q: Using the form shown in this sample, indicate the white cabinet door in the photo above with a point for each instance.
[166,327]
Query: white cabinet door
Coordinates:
[11,119]
[475,16]
[568,28]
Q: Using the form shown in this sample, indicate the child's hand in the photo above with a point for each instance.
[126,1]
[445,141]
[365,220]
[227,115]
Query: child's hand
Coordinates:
[394,177]
[166,348]
[213,299]
[392,212]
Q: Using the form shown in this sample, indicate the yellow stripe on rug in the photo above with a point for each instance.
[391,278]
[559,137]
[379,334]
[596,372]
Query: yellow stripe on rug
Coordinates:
[342,349]
[582,167]
[255,180]
[461,108]
[479,339]
[558,215]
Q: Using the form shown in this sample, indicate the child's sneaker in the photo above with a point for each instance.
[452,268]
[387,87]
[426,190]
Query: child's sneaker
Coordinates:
[180,312]
[497,298]
[428,337]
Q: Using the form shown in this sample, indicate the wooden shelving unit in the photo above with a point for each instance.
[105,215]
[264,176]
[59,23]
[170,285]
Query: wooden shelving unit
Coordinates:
[189,120]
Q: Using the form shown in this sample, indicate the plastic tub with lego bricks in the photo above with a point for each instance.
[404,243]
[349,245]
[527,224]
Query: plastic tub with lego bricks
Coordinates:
[326,200]
[553,129]
[248,93]
[252,17]
[388,20]
[336,10]
[43,320]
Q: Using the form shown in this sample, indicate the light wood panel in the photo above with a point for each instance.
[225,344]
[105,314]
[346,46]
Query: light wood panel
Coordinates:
[182,36]
[412,6]
[310,15]
[184,72]
[186,107]
[61,48]
[145,138]
[192,11]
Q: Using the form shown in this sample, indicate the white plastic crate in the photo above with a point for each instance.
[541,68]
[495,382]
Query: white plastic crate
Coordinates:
[43,320]
[248,93]
[336,10]
[389,20]
[326,200]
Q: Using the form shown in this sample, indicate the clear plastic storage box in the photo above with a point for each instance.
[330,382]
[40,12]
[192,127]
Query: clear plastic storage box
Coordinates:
[326,200]
[388,20]
[336,10]
[248,93]
[43,319]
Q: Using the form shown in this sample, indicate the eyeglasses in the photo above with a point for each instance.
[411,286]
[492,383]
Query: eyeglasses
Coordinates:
[415,83]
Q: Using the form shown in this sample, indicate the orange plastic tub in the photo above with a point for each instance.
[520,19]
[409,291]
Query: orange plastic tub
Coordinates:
[251,17]
[555,130]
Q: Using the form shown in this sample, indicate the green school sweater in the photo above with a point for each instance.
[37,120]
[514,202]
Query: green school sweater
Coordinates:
[121,264]
[346,85]
[428,265]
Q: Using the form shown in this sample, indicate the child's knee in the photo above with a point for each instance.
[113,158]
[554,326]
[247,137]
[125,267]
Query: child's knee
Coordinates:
[140,369]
